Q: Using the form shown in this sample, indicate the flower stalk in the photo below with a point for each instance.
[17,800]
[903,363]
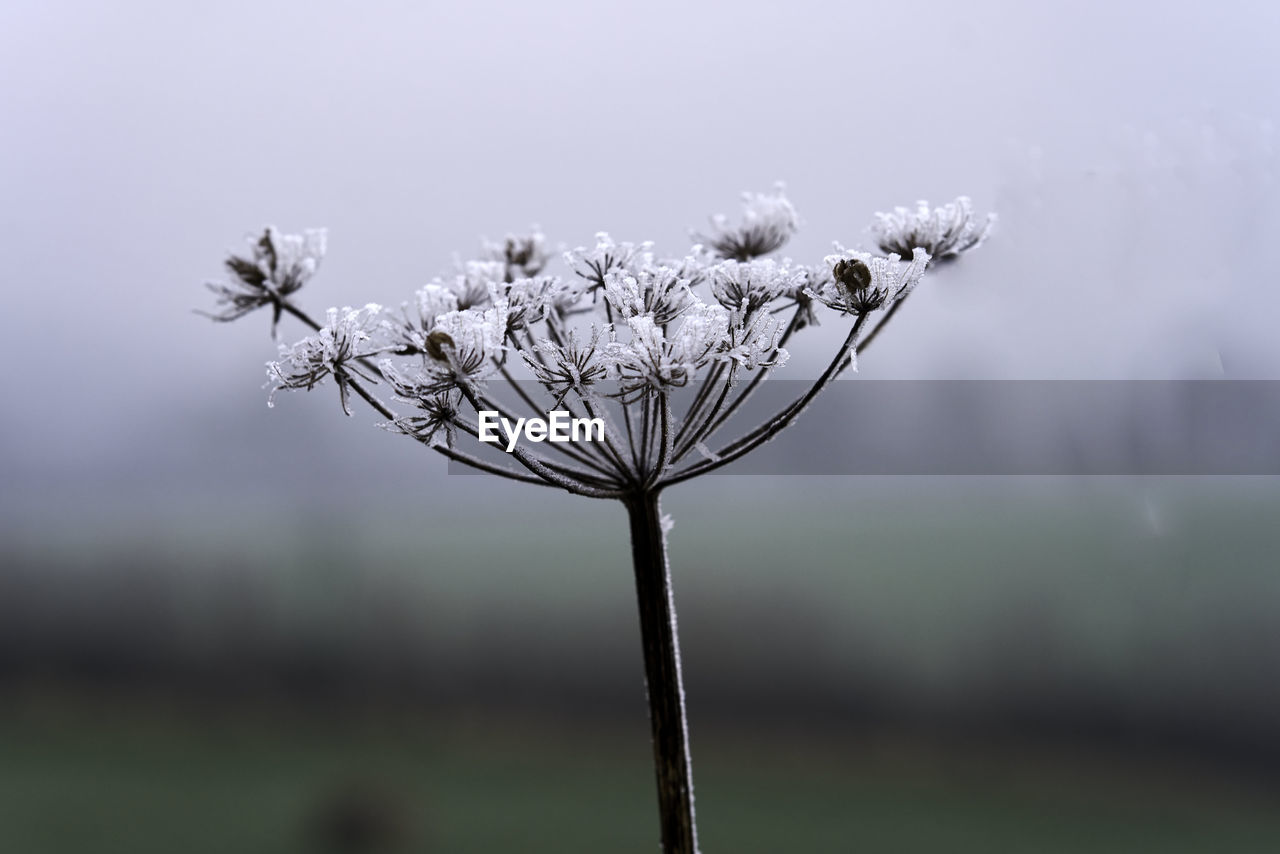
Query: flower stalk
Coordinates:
[664,682]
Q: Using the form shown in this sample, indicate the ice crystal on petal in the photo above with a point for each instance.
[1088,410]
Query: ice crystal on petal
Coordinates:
[347,336]
[278,265]
[861,282]
[768,222]
[944,232]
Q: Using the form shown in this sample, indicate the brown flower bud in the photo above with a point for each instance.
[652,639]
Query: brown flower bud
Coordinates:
[852,274]
[436,342]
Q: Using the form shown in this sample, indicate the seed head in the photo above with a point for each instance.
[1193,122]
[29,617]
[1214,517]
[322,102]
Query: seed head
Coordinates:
[437,341]
[852,273]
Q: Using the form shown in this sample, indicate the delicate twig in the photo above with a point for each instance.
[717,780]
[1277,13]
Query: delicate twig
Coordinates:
[536,465]
[884,321]
[369,398]
[664,454]
[629,474]
[703,430]
[699,400]
[491,468]
[771,428]
[564,448]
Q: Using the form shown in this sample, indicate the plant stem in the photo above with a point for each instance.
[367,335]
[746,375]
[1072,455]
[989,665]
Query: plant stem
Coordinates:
[663,680]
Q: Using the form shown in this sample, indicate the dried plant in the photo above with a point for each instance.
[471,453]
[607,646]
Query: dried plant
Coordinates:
[612,343]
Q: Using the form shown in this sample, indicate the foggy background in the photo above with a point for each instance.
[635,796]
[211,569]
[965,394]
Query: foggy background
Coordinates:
[218,621]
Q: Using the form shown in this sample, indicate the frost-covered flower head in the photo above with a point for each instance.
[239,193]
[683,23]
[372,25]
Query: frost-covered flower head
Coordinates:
[701,334]
[655,359]
[279,265]
[768,222]
[593,264]
[754,344]
[430,302]
[944,232]
[810,278]
[653,289]
[571,365]
[530,300]
[524,255]
[694,266]
[464,342]
[436,407]
[861,282]
[748,286]
[335,350]
[625,328]
[474,282]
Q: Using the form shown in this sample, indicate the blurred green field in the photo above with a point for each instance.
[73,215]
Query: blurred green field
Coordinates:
[1118,639]
[141,782]
[954,596]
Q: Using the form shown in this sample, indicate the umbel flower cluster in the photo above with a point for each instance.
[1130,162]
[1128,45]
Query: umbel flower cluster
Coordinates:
[613,335]
[660,352]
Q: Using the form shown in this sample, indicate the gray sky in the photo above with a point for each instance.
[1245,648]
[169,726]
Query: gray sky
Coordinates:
[1129,149]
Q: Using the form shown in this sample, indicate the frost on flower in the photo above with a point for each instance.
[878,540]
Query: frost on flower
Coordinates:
[279,265]
[748,286]
[523,255]
[810,279]
[530,300]
[625,326]
[430,302]
[655,359]
[592,264]
[700,334]
[474,282]
[347,337]
[944,232]
[693,267]
[436,407]
[754,344]
[653,289]
[455,345]
[768,222]
[465,342]
[571,365]
[861,282]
